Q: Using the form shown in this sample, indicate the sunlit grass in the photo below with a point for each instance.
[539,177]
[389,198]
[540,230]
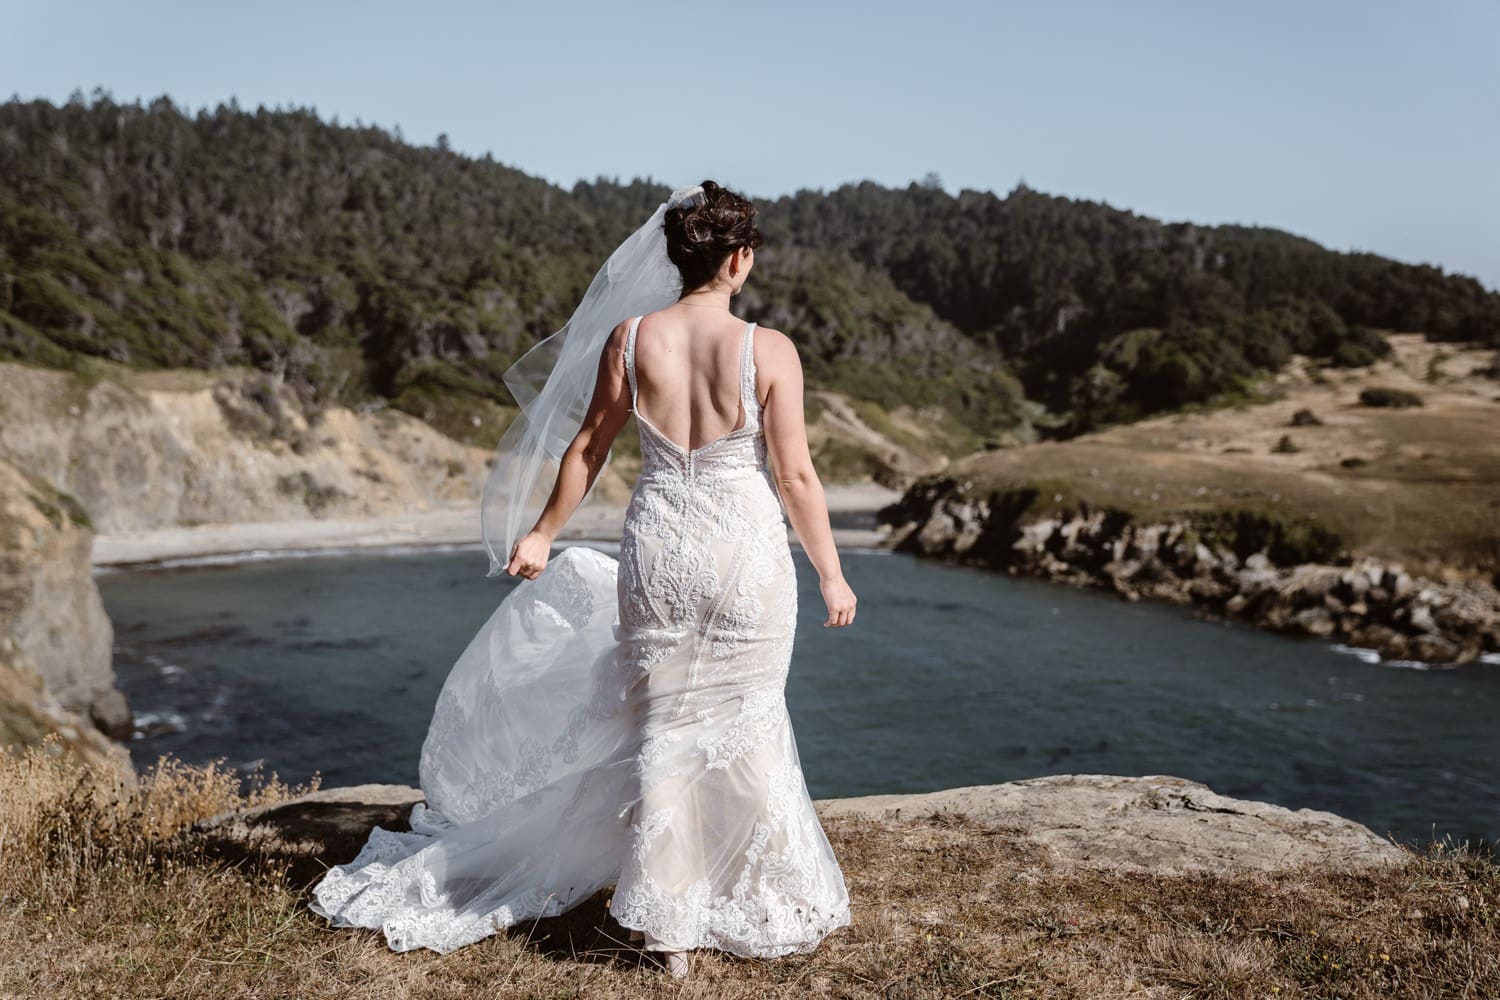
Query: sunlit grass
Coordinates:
[107,891]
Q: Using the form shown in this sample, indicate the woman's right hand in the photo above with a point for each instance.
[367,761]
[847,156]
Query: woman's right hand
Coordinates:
[840,600]
[529,556]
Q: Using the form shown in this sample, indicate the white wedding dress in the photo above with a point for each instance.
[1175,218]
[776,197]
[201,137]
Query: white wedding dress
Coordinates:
[624,723]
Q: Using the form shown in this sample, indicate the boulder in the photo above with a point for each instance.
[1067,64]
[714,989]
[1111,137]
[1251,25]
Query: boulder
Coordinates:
[1317,621]
[1156,823]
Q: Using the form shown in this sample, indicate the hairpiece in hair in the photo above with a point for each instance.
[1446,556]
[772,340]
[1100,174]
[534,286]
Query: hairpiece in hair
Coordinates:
[686,197]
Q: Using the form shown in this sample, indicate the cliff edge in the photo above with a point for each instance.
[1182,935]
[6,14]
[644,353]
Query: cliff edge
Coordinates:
[1156,823]
[51,616]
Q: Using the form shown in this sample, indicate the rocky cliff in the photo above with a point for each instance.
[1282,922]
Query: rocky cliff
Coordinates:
[1236,564]
[51,617]
[1305,507]
[156,449]
[151,449]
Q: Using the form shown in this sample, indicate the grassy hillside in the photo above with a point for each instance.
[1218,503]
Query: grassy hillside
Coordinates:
[1418,484]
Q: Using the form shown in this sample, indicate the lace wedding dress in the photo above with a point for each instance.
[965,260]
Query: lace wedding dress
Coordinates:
[624,723]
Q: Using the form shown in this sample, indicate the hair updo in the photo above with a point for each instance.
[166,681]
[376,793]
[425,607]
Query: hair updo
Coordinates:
[701,236]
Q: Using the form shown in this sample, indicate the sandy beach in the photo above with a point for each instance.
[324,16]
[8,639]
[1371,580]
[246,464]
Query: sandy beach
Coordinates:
[444,527]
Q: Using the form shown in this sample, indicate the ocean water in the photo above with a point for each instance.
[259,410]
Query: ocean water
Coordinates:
[950,676]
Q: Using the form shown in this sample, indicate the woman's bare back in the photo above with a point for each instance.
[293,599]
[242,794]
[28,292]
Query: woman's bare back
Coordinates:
[687,363]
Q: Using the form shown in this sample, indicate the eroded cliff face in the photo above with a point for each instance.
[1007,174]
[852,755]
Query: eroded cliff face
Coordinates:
[141,450]
[50,609]
[158,449]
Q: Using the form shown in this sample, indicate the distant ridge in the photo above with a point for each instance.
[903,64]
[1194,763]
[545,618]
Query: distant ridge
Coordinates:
[356,267]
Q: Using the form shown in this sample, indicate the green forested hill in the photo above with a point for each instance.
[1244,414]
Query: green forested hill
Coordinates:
[1109,315]
[357,265]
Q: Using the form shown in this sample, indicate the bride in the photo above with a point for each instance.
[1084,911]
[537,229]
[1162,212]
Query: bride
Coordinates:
[624,722]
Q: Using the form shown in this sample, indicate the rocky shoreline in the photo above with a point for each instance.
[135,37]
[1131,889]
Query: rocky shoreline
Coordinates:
[1257,578]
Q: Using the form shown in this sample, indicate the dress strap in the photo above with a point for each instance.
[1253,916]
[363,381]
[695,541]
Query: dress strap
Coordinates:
[747,375]
[630,358]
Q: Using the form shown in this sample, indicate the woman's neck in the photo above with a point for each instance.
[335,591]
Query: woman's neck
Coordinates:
[709,298]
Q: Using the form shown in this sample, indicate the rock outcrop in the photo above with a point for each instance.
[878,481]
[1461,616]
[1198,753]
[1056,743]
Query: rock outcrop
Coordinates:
[50,608]
[1363,602]
[183,448]
[1155,823]
[30,714]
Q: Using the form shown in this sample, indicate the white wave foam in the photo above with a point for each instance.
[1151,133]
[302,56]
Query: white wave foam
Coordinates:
[1373,656]
[1359,652]
[153,723]
[1418,665]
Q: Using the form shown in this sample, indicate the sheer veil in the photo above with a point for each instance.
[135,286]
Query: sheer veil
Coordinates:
[554,381]
[581,740]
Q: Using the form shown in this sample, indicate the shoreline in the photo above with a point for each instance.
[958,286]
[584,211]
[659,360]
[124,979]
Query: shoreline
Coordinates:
[1363,605]
[444,528]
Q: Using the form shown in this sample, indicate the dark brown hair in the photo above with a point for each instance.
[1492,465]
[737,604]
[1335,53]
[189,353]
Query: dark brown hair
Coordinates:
[701,237]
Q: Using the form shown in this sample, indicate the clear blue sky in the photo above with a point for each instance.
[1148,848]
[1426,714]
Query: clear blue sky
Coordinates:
[1363,125]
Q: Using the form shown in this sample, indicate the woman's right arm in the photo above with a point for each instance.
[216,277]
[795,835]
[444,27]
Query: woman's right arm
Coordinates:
[801,491]
[608,410]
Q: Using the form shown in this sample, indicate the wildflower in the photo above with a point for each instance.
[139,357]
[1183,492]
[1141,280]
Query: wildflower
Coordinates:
[1384,957]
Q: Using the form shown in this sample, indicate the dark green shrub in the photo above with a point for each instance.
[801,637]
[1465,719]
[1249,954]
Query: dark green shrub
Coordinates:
[1385,396]
[1286,539]
[1351,355]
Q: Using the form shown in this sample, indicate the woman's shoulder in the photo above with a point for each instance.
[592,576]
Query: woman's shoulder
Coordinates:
[774,350]
[773,339]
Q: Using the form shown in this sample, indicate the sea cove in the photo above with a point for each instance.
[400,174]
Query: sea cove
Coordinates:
[952,676]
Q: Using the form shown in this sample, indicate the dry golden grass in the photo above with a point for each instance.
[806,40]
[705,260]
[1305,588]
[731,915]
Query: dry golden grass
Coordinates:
[1421,486]
[106,895]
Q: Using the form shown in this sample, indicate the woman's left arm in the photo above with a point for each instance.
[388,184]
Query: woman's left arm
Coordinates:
[608,410]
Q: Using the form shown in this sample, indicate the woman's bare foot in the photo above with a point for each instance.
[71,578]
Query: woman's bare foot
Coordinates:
[675,962]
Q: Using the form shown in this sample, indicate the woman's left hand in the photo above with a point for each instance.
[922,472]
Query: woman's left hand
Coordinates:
[529,557]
